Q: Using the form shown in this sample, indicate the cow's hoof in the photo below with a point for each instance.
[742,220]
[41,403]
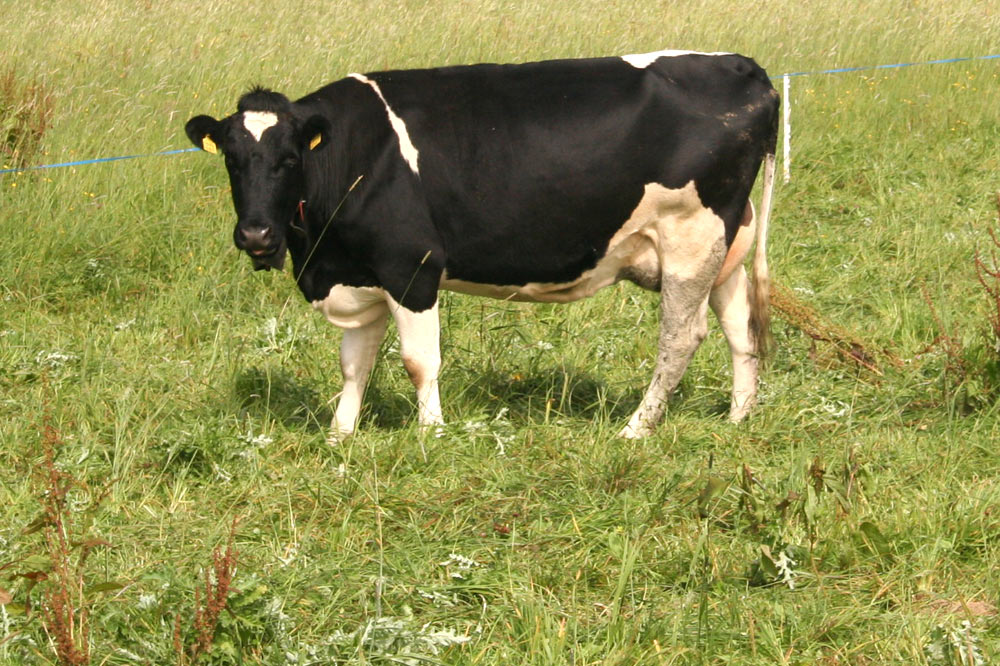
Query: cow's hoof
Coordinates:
[336,436]
[433,430]
[738,409]
[737,415]
[635,432]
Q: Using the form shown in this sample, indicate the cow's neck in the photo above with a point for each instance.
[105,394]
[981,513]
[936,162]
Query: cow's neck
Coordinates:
[320,256]
[335,177]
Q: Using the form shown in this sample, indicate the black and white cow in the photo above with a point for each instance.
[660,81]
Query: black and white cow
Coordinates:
[535,182]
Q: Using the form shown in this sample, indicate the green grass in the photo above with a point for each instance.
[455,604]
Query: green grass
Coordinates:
[183,390]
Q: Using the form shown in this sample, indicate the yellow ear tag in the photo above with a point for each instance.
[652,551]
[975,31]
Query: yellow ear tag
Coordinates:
[315,142]
[208,145]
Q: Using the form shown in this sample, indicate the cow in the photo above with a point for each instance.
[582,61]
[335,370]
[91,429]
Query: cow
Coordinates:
[542,181]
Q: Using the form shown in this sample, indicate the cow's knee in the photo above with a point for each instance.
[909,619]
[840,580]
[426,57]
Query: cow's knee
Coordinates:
[422,368]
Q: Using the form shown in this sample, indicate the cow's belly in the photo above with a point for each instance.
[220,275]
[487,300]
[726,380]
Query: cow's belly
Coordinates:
[636,257]
[669,231]
[353,307]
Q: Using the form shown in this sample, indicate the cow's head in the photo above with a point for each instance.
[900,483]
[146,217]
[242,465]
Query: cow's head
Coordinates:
[263,143]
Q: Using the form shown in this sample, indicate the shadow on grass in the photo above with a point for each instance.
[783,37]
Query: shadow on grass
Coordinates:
[279,395]
[568,392]
[577,393]
[297,403]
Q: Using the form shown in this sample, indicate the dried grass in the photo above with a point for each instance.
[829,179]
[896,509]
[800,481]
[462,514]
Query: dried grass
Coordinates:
[26,112]
[847,345]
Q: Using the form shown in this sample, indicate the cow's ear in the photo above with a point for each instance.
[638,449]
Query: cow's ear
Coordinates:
[201,130]
[315,134]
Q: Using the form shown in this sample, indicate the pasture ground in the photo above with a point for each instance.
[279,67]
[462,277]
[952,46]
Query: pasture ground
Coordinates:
[154,389]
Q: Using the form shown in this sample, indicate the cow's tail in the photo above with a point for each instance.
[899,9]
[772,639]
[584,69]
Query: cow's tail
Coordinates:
[760,293]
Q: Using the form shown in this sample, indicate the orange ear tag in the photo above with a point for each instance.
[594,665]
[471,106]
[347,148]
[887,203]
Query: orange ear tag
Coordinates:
[315,142]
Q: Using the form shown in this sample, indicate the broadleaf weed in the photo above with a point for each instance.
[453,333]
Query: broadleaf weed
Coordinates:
[59,570]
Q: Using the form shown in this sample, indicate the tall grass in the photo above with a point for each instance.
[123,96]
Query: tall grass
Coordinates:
[851,521]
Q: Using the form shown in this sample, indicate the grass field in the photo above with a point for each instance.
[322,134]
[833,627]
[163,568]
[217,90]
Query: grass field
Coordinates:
[159,400]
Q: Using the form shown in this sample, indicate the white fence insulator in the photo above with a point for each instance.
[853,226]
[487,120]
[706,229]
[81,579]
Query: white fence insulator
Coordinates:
[786,104]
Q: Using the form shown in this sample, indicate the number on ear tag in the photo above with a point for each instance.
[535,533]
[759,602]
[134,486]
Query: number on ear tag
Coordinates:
[315,141]
[208,145]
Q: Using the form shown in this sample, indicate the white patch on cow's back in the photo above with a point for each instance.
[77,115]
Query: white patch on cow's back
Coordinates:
[670,231]
[257,122]
[352,307]
[644,60]
[410,153]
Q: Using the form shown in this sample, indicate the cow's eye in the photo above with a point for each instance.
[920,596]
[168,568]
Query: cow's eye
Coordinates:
[284,164]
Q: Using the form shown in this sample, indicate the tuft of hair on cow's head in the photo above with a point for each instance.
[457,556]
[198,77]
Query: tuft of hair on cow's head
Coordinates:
[262,99]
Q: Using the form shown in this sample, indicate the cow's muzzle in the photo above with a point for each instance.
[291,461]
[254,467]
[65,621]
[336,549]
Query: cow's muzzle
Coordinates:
[260,244]
[265,262]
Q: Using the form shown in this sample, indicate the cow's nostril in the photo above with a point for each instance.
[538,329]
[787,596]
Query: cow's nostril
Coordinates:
[255,238]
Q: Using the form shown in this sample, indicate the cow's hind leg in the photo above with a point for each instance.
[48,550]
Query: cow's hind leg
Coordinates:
[358,350]
[730,302]
[683,325]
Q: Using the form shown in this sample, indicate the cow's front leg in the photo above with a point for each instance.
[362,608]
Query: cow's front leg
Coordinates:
[358,350]
[420,348]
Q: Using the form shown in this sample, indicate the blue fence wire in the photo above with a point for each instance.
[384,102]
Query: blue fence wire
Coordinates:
[97,160]
[839,70]
[898,65]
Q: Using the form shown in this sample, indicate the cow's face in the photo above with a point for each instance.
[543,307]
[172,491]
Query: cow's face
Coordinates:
[263,151]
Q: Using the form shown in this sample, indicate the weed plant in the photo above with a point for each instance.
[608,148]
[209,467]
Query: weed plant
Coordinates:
[852,520]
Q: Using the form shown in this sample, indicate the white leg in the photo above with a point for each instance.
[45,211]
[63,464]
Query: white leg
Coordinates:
[358,350]
[730,302]
[420,347]
[683,325]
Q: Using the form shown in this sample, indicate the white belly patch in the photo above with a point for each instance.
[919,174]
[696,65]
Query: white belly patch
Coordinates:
[353,307]
[669,227]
